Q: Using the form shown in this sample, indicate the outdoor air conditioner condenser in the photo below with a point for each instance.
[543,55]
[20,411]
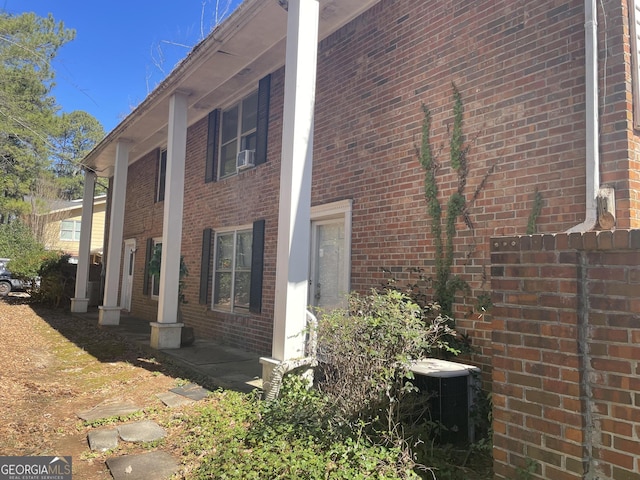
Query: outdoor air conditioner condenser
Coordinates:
[452,388]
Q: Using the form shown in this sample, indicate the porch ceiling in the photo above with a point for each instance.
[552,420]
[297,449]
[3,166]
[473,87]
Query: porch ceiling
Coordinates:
[218,71]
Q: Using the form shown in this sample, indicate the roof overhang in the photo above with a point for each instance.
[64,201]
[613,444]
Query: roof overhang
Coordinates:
[221,69]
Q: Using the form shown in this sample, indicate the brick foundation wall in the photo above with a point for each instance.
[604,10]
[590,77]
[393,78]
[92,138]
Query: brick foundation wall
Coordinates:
[566,325]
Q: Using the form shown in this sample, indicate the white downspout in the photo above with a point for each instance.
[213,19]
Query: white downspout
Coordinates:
[592,130]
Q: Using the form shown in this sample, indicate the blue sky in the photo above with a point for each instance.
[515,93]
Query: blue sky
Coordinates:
[122,49]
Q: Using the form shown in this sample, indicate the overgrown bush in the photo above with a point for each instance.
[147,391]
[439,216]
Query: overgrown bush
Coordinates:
[358,422]
[242,437]
[19,245]
[419,289]
[366,354]
[57,282]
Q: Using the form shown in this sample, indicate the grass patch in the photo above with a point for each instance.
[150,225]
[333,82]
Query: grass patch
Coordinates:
[238,436]
[102,422]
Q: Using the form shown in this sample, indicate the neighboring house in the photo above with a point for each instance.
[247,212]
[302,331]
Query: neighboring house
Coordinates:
[284,171]
[63,225]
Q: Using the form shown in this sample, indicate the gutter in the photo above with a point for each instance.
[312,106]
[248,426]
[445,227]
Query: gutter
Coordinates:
[592,130]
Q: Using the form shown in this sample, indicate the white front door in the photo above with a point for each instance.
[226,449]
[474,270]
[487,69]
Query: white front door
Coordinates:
[328,286]
[128,263]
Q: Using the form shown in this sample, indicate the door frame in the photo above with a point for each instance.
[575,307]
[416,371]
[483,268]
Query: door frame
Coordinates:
[327,212]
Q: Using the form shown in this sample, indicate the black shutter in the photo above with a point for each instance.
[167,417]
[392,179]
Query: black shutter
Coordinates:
[147,259]
[205,265]
[212,147]
[262,128]
[162,176]
[257,267]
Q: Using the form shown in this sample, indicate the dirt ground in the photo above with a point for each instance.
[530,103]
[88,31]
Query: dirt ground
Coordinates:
[53,365]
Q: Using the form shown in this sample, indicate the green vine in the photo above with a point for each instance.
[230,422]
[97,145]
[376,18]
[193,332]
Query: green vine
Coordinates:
[445,284]
[535,213]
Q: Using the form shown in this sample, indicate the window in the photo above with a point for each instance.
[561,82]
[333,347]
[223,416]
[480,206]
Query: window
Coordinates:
[70,230]
[162,176]
[237,265]
[243,126]
[232,267]
[237,133]
[329,280]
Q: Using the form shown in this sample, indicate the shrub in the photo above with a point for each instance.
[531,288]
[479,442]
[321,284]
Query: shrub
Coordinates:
[240,437]
[18,244]
[366,353]
[57,281]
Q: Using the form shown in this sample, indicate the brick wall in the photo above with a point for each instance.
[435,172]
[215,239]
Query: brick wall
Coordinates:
[566,325]
[519,66]
[142,220]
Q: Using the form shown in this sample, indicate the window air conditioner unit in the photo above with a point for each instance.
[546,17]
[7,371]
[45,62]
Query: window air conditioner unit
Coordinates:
[451,387]
[245,159]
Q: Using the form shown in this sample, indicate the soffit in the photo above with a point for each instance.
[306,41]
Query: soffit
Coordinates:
[221,69]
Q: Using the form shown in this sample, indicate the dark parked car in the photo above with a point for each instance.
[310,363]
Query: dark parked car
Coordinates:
[8,284]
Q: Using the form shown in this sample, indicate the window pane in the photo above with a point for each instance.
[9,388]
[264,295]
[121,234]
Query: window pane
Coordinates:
[232,275]
[250,113]
[66,230]
[224,252]
[222,290]
[228,159]
[249,141]
[242,290]
[243,250]
[230,124]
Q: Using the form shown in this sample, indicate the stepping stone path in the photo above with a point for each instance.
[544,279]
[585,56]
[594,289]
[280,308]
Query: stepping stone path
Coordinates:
[109,408]
[147,466]
[155,465]
[171,399]
[192,391]
[103,439]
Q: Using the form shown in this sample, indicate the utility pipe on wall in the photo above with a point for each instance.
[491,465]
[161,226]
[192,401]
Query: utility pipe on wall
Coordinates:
[592,122]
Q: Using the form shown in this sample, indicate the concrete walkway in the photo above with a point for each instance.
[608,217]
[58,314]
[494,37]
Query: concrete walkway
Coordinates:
[220,365]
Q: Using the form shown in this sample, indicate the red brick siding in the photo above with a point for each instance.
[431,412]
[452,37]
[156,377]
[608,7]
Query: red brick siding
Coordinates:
[565,364]
[519,67]
[142,220]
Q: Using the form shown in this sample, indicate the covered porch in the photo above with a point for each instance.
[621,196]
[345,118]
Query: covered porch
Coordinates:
[217,365]
[258,38]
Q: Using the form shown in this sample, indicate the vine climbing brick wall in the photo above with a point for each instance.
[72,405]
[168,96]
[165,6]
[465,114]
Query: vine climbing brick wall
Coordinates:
[566,358]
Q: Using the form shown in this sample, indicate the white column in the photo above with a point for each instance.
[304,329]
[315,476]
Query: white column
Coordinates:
[165,333]
[292,266]
[109,312]
[80,302]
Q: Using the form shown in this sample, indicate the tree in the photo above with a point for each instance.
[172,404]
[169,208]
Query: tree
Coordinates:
[77,133]
[40,149]
[28,44]
[19,245]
